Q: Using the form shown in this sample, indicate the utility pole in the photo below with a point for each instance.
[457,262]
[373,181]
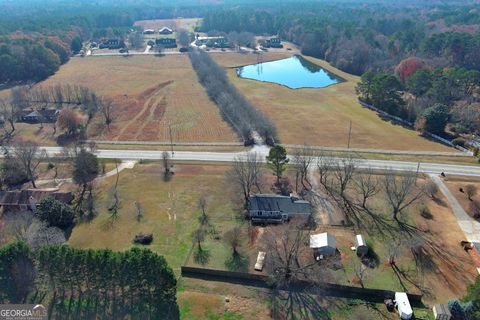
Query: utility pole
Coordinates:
[416,175]
[349,134]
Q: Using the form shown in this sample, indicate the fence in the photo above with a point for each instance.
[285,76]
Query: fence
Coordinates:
[329,289]
[410,124]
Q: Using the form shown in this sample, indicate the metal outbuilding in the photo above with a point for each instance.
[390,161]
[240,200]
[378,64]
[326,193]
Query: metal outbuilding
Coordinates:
[323,244]
[403,306]
[441,312]
[360,245]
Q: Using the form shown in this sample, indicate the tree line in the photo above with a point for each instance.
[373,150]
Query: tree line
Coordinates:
[89,283]
[244,118]
[430,97]
[357,38]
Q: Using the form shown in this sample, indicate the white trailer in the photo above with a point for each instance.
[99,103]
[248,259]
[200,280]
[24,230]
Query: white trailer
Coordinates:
[403,305]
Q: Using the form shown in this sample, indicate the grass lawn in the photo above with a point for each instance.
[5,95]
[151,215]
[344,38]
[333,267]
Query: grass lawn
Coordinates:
[170,210]
[322,116]
[150,93]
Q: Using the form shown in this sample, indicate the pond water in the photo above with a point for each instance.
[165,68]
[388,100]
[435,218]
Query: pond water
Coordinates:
[294,72]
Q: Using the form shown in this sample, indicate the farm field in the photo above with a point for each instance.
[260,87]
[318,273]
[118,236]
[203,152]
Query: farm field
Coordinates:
[150,93]
[322,116]
[184,23]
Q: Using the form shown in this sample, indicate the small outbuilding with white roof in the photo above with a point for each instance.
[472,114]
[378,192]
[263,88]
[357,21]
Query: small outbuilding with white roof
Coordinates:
[360,245]
[403,305]
[323,244]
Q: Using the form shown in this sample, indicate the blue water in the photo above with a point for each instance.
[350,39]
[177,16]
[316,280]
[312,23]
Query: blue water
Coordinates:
[294,72]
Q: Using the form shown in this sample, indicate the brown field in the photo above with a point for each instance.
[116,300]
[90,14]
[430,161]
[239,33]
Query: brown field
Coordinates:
[188,24]
[454,184]
[322,116]
[150,93]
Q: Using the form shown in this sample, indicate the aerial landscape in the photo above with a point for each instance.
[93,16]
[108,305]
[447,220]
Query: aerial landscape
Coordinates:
[238,159]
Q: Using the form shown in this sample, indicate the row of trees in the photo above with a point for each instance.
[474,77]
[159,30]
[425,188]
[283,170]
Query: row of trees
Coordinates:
[244,118]
[89,283]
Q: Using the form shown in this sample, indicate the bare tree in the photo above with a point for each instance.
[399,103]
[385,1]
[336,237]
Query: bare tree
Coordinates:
[470,191]
[106,107]
[246,174]
[360,271]
[199,237]
[8,114]
[166,164]
[18,223]
[401,192]
[39,235]
[116,201]
[302,161]
[366,186]
[202,205]
[183,37]
[138,210]
[29,156]
[432,189]
[233,238]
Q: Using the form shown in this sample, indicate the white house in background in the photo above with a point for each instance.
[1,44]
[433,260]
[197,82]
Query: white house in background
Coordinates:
[165,30]
[403,305]
[360,245]
[148,31]
[260,261]
[323,244]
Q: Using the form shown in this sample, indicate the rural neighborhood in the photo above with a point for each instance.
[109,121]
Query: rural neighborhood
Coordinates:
[240,160]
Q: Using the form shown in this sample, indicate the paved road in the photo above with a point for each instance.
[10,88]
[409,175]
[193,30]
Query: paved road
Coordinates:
[433,168]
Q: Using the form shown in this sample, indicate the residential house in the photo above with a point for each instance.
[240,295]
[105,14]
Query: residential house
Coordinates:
[273,43]
[323,244]
[19,200]
[166,42]
[112,44]
[41,116]
[165,30]
[271,208]
[148,31]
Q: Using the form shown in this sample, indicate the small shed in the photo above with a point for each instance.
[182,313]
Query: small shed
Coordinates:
[403,305]
[260,260]
[360,245]
[441,312]
[323,244]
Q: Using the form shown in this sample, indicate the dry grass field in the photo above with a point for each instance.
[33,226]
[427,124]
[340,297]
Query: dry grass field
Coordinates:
[187,23]
[322,116]
[150,93]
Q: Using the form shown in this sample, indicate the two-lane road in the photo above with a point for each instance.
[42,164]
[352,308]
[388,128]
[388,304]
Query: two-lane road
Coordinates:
[429,168]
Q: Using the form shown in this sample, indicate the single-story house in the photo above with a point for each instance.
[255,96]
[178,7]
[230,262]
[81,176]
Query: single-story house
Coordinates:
[166,42]
[441,312]
[41,116]
[165,30]
[112,44]
[273,43]
[276,208]
[323,244]
[148,31]
[212,42]
[360,245]
[403,305]
[19,200]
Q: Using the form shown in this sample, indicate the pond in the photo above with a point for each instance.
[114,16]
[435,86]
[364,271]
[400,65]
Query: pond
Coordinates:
[294,72]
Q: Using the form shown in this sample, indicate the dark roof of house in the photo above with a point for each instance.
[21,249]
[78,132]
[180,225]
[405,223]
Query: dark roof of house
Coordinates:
[47,113]
[273,202]
[21,197]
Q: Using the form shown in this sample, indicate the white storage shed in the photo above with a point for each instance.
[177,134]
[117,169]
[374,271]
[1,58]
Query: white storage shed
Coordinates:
[360,245]
[323,244]
[403,305]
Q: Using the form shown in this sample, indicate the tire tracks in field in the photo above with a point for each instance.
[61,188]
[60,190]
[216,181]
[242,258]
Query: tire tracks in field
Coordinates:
[133,128]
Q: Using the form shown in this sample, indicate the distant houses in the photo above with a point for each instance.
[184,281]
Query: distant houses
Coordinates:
[166,42]
[112,44]
[212,42]
[272,208]
[149,31]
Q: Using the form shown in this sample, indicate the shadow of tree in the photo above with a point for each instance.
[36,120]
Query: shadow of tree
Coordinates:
[237,263]
[201,256]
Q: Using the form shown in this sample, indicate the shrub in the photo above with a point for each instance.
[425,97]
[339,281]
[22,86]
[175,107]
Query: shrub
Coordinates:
[475,151]
[425,212]
[55,213]
[50,166]
[459,142]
